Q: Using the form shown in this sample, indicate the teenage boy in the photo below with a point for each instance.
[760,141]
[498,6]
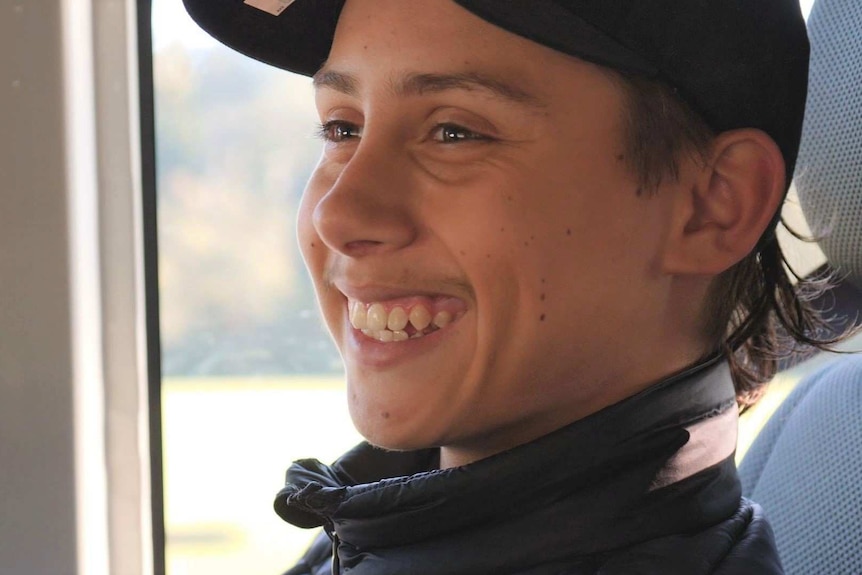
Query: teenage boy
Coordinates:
[542,235]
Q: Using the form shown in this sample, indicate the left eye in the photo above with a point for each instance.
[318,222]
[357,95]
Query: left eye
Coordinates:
[452,134]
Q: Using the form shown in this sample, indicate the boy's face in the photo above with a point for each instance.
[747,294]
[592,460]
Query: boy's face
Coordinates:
[472,172]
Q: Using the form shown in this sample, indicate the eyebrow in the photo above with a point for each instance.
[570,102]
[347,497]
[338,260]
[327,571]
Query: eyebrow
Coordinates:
[417,84]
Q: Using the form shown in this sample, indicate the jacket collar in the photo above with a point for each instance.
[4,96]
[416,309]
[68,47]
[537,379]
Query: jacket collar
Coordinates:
[625,474]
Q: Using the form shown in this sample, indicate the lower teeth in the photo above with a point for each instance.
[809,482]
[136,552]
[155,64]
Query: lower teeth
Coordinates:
[387,336]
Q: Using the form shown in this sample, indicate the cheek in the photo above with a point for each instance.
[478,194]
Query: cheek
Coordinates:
[310,244]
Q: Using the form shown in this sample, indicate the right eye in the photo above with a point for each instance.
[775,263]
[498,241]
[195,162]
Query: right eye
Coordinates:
[339,131]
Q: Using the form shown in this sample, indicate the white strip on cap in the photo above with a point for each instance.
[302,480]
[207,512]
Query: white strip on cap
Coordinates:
[274,7]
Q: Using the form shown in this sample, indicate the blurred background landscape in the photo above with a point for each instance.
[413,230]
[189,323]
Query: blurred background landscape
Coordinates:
[251,380]
[235,144]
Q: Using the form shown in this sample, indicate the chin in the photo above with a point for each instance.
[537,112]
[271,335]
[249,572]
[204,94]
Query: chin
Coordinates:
[395,436]
[396,445]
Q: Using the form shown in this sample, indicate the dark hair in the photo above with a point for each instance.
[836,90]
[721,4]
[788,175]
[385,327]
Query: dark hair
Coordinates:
[758,315]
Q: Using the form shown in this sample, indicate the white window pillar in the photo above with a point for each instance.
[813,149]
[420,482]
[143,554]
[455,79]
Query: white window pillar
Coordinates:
[74,469]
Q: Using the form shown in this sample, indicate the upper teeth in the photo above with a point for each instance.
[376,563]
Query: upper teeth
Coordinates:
[385,326]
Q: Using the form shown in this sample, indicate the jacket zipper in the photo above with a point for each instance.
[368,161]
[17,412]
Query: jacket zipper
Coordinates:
[333,536]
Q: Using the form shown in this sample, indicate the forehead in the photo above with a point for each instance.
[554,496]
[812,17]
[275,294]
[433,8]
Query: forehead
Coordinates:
[415,48]
[421,83]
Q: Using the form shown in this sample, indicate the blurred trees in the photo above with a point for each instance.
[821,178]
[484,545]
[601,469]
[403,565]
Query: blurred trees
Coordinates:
[235,144]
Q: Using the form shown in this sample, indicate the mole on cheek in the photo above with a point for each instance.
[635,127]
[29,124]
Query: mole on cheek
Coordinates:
[569,232]
[385,415]
[542,317]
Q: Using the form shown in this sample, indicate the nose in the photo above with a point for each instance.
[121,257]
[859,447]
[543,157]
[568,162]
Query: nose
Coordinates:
[366,208]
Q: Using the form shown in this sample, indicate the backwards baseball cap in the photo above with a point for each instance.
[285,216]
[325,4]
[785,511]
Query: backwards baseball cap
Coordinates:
[738,63]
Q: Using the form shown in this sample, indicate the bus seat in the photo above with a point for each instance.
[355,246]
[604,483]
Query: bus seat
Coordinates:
[828,176]
[805,469]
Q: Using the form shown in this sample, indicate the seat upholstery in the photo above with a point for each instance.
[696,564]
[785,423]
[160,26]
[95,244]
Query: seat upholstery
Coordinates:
[828,175]
[805,469]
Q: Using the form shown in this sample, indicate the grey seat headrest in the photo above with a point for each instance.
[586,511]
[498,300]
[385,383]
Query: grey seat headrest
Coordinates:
[828,174]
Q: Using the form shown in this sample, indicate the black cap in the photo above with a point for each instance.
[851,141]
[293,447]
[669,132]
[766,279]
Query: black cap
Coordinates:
[738,63]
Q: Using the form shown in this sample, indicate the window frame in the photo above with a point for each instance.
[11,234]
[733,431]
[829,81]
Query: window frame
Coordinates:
[79,373]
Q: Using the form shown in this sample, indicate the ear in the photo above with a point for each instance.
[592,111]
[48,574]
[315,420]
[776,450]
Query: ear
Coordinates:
[725,205]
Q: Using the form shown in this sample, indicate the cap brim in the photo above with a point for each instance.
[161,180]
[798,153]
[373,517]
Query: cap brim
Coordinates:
[297,40]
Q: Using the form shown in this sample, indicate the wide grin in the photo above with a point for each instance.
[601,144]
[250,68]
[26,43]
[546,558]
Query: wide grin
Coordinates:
[396,323]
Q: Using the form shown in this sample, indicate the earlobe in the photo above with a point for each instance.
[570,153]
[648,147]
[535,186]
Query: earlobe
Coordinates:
[727,205]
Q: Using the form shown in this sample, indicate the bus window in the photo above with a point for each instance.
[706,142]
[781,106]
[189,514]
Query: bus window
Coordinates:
[247,367]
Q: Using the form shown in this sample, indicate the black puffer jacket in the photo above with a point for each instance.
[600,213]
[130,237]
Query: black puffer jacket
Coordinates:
[648,485]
